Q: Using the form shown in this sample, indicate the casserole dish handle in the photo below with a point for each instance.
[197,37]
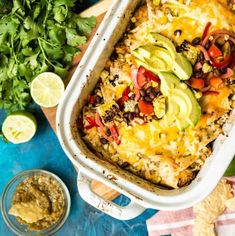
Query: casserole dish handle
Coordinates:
[128,212]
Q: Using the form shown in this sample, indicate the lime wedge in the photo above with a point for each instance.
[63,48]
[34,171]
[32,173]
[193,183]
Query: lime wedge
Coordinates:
[19,127]
[47,89]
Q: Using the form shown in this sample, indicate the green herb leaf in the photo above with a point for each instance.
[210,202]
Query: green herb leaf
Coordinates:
[37,36]
[73,39]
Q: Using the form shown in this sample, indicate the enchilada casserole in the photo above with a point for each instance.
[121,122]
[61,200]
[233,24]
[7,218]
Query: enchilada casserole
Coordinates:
[166,91]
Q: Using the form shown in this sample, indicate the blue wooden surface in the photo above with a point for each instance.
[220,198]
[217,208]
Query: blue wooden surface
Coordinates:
[44,152]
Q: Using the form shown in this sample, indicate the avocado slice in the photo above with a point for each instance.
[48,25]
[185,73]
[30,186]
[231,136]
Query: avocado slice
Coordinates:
[182,67]
[153,58]
[172,111]
[162,48]
[182,106]
[143,57]
[162,41]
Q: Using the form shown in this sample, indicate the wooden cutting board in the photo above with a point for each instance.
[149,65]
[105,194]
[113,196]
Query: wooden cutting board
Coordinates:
[97,10]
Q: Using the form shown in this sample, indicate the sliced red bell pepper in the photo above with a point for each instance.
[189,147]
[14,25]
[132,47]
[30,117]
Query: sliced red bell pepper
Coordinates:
[206,30]
[152,76]
[91,121]
[222,64]
[214,51]
[214,93]
[91,99]
[114,133]
[124,97]
[102,128]
[145,107]
[197,83]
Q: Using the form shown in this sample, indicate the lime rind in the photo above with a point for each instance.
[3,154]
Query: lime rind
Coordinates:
[19,127]
[47,89]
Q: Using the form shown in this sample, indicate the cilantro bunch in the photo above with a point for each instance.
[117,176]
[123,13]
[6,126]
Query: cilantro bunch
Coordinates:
[37,36]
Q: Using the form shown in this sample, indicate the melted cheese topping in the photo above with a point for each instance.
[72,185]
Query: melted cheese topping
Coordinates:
[155,152]
[191,19]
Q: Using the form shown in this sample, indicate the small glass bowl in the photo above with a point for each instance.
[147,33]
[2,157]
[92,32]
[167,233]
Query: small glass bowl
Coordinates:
[6,202]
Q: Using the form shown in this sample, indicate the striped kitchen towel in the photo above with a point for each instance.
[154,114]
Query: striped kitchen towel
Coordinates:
[180,223]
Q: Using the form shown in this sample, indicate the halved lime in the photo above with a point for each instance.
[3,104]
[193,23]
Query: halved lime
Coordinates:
[19,127]
[47,89]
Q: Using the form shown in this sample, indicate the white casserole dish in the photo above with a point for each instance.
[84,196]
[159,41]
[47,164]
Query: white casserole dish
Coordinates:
[142,193]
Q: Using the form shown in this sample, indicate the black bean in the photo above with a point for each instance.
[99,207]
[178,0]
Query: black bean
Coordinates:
[97,86]
[137,110]
[157,89]
[126,114]
[185,42]
[103,141]
[148,99]
[198,74]
[223,70]
[125,119]
[114,55]
[155,117]
[207,45]
[196,41]
[201,56]
[108,132]
[149,90]
[115,108]
[113,83]
[152,95]
[178,32]
[179,49]
[116,76]
[125,164]
[98,99]
[131,25]
[109,117]
[142,92]
[131,116]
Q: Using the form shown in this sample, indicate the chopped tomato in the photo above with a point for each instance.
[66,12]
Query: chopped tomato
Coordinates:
[91,99]
[197,83]
[214,93]
[206,30]
[222,64]
[91,121]
[216,82]
[114,133]
[124,97]
[142,76]
[152,76]
[145,107]
[214,51]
